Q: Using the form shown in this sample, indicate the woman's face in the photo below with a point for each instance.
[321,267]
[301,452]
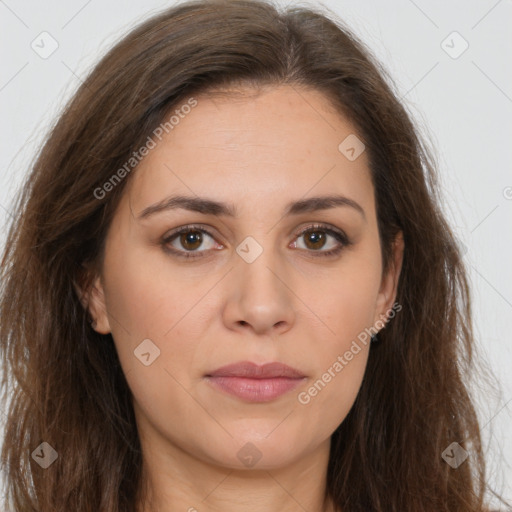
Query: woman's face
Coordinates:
[257,286]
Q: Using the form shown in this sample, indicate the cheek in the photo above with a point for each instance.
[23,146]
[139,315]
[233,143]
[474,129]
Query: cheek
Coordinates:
[333,390]
[345,299]
[150,298]
[346,303]
[341,362]
[146,293]
[154,323]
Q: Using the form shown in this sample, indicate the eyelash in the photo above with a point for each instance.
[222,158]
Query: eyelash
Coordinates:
[340,236]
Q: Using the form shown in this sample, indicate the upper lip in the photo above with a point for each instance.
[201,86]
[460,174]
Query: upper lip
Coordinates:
[251,370]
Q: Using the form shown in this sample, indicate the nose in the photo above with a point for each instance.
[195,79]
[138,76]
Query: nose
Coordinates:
[260,296]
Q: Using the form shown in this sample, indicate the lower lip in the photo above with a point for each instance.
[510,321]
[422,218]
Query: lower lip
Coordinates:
[255,390]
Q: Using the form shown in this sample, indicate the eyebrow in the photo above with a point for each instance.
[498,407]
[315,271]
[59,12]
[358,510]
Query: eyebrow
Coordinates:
[210,207]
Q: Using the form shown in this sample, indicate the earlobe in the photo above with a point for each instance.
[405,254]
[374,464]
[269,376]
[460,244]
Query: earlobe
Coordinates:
[98,308]
[389,283]
[94,302]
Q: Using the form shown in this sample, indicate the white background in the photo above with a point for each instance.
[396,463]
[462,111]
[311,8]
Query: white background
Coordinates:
[463,105]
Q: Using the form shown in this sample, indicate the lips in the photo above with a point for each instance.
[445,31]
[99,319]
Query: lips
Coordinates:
[254,383]
[253,371]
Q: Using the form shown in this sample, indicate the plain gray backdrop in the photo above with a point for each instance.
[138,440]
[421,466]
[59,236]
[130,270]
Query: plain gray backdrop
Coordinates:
[451,64]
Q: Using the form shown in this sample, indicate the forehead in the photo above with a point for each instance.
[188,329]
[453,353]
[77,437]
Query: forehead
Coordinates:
[242,143]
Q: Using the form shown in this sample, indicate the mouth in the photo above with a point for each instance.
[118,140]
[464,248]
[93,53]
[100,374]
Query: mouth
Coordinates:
[253,383]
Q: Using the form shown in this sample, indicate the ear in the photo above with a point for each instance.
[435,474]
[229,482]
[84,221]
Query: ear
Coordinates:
[93,300]
[389,283]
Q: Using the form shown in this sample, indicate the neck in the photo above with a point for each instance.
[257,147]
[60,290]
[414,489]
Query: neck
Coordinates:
[175,481]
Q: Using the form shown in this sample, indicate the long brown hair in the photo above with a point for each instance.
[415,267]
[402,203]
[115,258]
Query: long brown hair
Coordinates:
[64,381]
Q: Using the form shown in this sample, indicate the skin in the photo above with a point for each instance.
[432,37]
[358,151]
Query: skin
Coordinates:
[258,152]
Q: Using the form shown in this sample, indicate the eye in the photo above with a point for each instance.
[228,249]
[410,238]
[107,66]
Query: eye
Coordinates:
[316,239]
[186,241]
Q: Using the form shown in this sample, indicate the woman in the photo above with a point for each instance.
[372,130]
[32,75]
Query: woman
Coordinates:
[230,286]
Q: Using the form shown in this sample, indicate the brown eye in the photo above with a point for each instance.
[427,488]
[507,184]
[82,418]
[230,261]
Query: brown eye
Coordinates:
[321,240]
[191,240]
[314,239]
